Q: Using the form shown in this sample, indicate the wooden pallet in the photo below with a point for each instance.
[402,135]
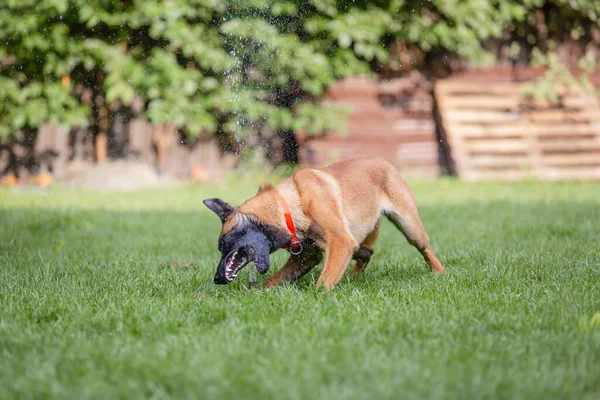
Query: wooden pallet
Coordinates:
[494,132]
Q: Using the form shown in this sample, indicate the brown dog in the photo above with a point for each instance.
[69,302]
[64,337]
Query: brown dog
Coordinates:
[335,209]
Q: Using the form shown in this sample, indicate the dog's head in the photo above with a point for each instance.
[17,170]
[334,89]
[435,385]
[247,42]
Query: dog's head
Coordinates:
[242,239]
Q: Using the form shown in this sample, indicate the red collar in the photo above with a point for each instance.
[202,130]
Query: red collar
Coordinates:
[295,246]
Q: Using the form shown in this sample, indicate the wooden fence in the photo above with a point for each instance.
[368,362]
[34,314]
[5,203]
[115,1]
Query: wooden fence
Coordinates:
[390,119]
[56,154]
[483,125]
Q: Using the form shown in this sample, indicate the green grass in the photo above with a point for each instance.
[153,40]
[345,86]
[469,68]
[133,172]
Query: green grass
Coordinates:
[91,306]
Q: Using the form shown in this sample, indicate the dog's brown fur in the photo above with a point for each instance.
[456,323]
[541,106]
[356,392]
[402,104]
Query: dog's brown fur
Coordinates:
[337,208]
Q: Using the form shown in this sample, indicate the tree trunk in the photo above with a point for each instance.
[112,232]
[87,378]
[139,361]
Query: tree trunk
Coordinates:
[101,138]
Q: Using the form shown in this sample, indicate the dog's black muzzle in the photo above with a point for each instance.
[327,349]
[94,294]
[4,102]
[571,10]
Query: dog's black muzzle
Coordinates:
[241,249]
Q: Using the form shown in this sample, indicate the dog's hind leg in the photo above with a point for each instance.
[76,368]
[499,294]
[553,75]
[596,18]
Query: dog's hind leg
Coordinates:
[296,266]
[403,213]
[365,251]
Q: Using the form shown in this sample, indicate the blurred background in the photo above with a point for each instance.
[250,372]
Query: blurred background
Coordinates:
[128,94]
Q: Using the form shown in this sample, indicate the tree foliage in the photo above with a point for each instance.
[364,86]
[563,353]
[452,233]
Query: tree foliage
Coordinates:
[223,66]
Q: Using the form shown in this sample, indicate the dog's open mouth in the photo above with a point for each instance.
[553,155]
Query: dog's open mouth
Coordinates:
[236,260]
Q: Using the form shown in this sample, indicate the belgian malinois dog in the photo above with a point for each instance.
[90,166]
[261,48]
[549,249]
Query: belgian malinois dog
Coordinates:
[336,209]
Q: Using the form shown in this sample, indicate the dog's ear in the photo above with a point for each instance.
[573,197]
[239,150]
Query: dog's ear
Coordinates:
[265,187]
[219,207]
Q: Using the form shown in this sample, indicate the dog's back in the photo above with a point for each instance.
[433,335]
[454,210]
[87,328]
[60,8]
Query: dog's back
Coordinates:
[361,189]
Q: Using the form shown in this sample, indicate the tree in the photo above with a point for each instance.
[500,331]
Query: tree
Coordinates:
[228,68]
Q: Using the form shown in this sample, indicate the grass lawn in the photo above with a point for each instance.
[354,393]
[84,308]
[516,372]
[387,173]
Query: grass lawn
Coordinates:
[91,305]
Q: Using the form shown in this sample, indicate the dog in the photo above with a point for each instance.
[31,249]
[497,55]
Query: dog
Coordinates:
[336,210]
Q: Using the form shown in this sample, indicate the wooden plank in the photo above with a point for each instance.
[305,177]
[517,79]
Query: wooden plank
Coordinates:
[565,129]
[500,161]
[481,102]
[580,102]
[482,117]
[419,146]
[414,124]
[379,137]
[418,151]
[574,101]
[553,116]
[457,87]
[498,146]
[514,101]
[590,144]
[480,131]
[517,130]
[370,106]
[571,159]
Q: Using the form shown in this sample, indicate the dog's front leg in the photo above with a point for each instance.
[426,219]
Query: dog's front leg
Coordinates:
[296,266]
[339,253]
